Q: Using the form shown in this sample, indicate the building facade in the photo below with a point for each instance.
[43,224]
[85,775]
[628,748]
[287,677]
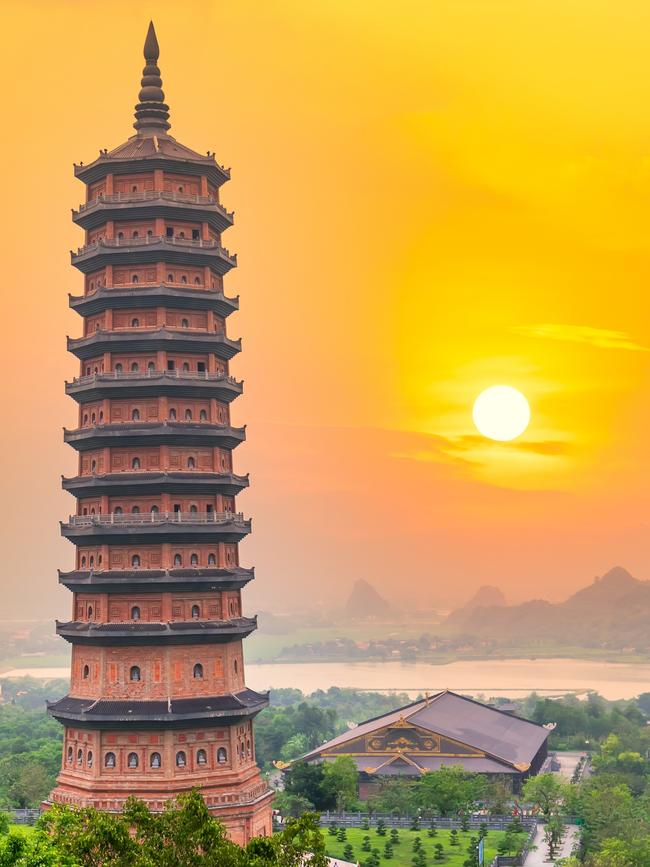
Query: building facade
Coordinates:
[447,730]
[158,702]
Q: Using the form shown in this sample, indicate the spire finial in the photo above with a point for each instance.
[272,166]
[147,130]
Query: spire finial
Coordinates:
[151,113]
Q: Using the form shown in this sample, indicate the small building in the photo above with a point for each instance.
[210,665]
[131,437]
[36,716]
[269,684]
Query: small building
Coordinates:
[443,729]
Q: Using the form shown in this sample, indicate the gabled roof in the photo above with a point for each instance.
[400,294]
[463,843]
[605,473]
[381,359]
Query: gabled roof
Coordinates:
[499,735]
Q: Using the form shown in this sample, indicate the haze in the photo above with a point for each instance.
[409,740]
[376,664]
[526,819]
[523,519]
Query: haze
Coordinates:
[427,203]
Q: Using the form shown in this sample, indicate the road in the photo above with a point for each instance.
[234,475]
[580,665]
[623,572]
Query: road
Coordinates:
[539,857]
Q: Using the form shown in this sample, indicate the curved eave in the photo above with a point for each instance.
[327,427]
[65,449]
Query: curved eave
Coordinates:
[131,634]
[136,484]
[153,296]
[155,434]
[142,254]
[142,534]
[101,211]
[157,714]
[95,171]
[172,340]
[152,386]
[155,580]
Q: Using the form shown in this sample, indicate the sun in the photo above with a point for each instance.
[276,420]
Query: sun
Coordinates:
[501,413]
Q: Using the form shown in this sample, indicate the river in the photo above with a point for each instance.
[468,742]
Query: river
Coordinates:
[508,677]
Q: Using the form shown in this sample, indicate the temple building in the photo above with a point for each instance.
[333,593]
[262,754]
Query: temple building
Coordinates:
[158,702]
[442,729]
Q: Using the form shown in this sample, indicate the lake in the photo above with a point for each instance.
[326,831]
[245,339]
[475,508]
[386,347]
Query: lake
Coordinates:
[510,677]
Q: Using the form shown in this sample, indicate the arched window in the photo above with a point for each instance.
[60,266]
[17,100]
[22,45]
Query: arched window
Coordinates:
[194,560]
[134,673]
[101,416]
[191,463]
[178,560]
[181,759]
[135,560]
[135,234]
[186,367]
[80,757]
[135,415]
[135,323]
[135,613]
[135,510]
[235,666]
[92,559]
[118,510]
[196,612]
[155,760]
[154,510]
[197,671]
[197,280]
[170,278]
[93,466]
[248,748]
[222,755]
[134,189]
[182,235]
[132,760]
[89,759]
[194,509]
[100,558]
[181,190]
[135,279]
[149,233]
[203,416]
[86,672]
[135,464]
[135,367]
[172,415]
[118,368]
[185,323]
[109,760]
[212,560]
[83,562]
[201,757]
[188,412]
[151,366]
[70,754]
[92,285]
[86,415]
[183,278]
[120,235]
[93,418]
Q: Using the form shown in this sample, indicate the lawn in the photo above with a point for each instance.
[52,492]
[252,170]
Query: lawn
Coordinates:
[454,856]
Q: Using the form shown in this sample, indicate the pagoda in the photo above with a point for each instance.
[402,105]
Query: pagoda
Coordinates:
[158,702]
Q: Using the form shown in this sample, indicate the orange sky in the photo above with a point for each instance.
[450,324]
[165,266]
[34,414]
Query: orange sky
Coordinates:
[430,199]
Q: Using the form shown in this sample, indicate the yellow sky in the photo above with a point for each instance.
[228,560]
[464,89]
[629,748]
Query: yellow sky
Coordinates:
[430,198]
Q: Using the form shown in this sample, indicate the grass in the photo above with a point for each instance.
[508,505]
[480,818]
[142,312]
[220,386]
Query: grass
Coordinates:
[403,853]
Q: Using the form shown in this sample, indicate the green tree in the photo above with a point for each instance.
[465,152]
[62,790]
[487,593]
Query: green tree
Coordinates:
[449,790]
[306,780]
[547,791]
[339,785]
[348,852]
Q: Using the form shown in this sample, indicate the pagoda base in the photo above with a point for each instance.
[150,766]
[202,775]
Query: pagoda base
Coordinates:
[244,814]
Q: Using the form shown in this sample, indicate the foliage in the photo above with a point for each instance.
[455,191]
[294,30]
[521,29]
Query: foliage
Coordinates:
[339,785]
[547,791]
[184,835]
[30,754]
[449,790]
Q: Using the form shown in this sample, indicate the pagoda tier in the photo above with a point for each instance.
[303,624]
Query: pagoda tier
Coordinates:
[158,702]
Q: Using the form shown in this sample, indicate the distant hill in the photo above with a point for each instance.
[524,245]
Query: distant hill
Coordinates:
[364,601]
[486,596]
[613,611]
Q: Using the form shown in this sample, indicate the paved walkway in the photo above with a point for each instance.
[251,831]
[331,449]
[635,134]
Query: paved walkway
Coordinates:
[539,856]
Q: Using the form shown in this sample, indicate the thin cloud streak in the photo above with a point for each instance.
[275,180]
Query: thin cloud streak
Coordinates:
[602,338]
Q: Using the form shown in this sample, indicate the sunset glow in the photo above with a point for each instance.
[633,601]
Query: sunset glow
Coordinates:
[501,413]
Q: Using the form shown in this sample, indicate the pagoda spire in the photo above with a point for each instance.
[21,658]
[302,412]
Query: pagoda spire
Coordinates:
[151,113]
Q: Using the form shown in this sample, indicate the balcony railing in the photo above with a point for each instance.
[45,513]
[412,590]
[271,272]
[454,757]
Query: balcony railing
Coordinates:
[150,240]
[139,518]
[106,376]
[145,284]
[152,195]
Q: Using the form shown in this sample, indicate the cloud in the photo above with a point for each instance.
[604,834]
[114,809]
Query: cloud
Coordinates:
[542,447]
[602,338]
